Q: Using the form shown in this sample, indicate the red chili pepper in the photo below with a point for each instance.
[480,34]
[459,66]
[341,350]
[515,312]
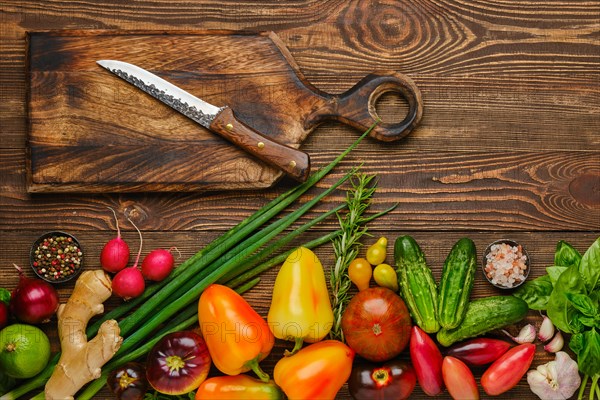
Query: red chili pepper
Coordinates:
[480,351]
[459,379]
[507,371]
[427,361]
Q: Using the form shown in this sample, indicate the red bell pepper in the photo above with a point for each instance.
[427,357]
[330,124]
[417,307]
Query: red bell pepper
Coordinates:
[459,379]
[317,371]
[480,351]
[237,337]
[427,361]
[507,371]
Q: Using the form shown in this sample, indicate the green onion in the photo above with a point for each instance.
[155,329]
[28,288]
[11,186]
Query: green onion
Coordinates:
[186,272]
[183,321]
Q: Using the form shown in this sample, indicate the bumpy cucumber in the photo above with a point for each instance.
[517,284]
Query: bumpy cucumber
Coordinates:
[417,286]
[484,315]
[456,284]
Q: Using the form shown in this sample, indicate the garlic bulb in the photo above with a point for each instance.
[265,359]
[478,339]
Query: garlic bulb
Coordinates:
[556,380]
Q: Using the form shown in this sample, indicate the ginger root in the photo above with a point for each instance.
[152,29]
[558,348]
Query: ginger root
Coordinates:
[81,361]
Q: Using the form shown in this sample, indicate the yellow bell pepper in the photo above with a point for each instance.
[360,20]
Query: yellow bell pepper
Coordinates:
[300,307]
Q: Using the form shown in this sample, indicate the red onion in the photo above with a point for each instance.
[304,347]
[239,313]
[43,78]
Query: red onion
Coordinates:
[33,301]
[3,314]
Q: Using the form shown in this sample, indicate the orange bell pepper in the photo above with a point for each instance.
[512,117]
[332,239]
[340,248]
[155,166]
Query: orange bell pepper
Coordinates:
[236,336]
[317,371]
[239,387]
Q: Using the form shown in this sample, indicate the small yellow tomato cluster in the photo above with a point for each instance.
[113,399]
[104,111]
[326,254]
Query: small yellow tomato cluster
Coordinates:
[361,270]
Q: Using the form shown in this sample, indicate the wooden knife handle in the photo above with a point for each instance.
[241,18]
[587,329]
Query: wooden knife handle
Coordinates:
[294,162]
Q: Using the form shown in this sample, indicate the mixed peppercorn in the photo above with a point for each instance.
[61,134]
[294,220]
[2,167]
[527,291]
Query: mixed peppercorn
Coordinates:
[57,257]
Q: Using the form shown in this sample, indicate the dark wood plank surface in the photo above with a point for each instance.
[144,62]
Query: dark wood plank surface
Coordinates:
[508,145]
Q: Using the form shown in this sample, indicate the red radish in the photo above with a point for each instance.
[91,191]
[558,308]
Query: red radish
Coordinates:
[34,300]
[158,264]
[129,282]
[115,254]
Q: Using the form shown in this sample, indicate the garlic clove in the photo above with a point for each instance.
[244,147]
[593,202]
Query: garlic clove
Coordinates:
[556,344]
[526,335]
[546,329]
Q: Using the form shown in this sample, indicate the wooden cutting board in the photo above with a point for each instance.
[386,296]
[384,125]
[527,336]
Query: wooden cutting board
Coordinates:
[89,131]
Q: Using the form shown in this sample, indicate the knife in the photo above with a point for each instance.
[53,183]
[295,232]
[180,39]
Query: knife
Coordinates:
[220,120]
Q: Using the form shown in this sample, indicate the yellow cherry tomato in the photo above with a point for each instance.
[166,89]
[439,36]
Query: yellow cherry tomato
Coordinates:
[360,272]
[377,251]
[386,276]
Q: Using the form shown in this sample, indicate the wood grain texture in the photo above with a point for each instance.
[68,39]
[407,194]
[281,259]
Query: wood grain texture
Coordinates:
[508,145]
[449,190]
[90,130]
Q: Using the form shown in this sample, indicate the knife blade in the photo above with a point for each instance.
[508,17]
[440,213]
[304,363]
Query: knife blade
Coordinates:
[220,120]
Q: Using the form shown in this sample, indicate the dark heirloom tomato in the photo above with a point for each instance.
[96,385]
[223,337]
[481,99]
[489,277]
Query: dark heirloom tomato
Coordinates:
[376,324]
[393,380]
[178,363]
[128,382]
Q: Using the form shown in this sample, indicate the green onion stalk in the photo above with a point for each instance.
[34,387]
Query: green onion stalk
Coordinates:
[187,282]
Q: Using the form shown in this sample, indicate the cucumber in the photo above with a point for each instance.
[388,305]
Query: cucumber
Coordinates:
[484,315]
[417,286]
[456,284]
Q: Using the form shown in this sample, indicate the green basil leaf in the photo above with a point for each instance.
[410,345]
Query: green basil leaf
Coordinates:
[560,309]
[574,321]
[589,267]
[588,358]
[554,272]
[4,295]
[566,255]
[535,293]
[583,304]
[590,322]
[576,343]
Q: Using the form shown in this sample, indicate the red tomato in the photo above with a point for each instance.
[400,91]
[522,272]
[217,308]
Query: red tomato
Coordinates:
[376,324]
[459,379]
[427,361]
[507,371]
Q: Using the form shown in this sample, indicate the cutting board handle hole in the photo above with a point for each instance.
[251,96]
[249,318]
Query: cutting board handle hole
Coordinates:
[391,107]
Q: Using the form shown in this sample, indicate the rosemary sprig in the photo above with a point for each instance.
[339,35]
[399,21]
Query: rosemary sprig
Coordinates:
[347,244]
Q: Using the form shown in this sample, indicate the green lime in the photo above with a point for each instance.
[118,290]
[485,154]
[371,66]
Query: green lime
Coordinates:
[24,350]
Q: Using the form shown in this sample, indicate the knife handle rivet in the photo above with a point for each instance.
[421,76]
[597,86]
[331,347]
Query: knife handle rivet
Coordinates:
[229,127]
[292,164]
[261,145]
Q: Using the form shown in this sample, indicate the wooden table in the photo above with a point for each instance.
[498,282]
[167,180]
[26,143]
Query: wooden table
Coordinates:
[508,146]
